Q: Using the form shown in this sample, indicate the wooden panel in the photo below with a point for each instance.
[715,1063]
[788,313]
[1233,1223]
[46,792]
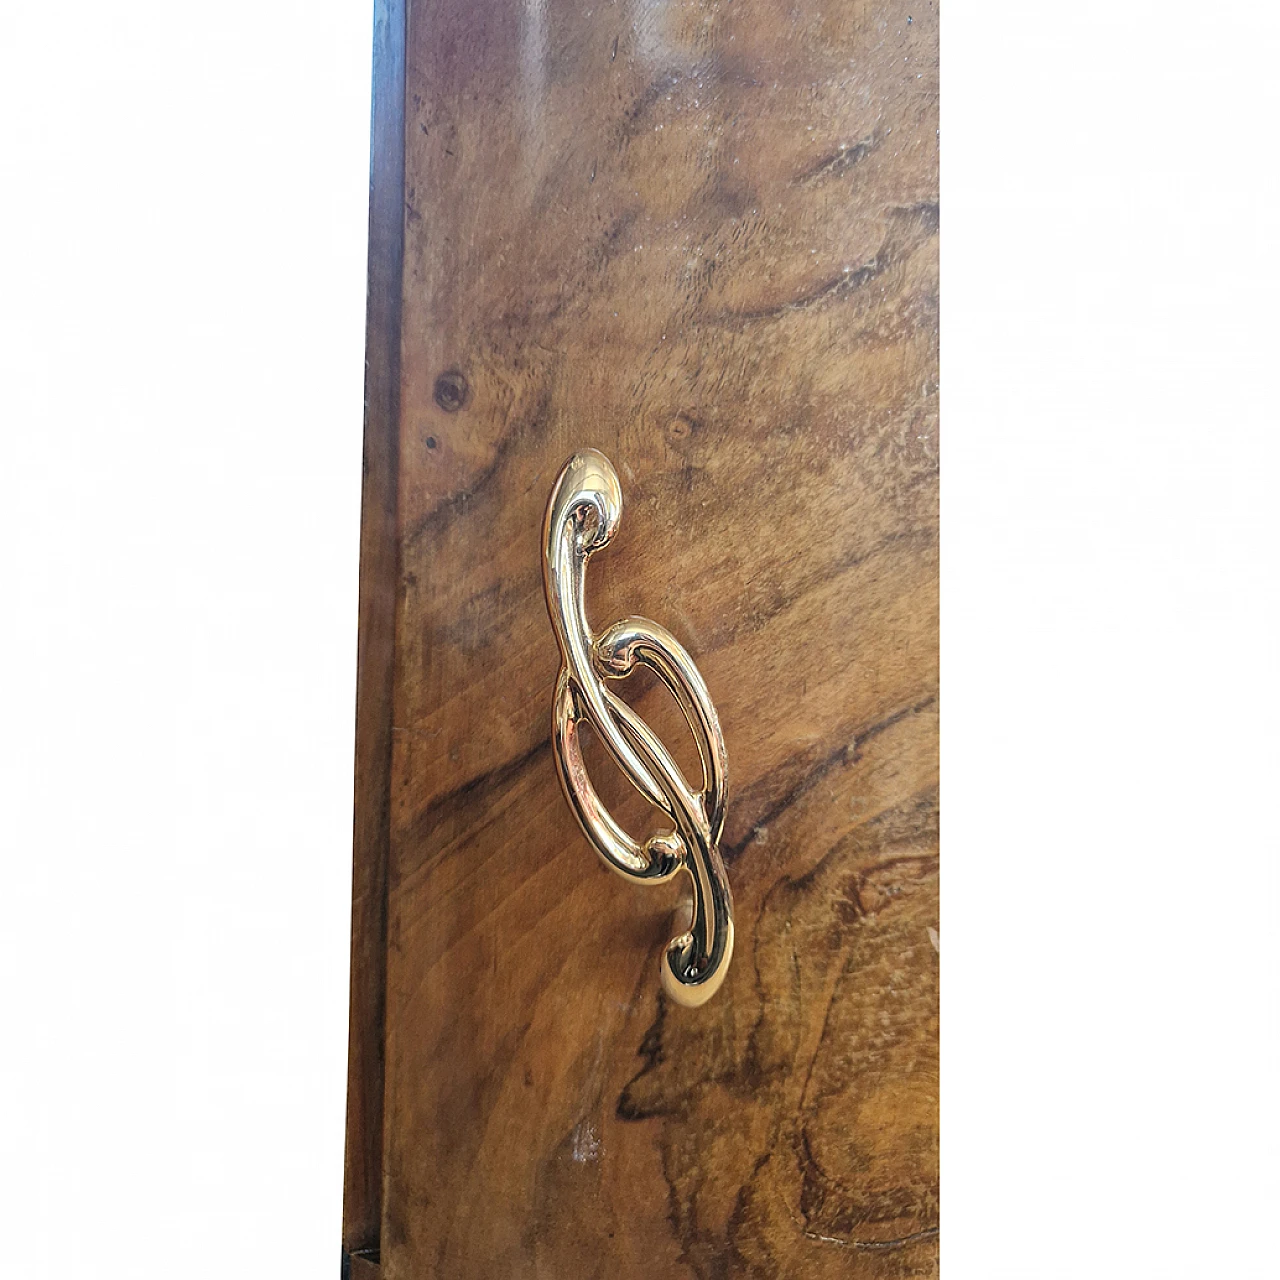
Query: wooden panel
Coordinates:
[362,1198]
[700,237]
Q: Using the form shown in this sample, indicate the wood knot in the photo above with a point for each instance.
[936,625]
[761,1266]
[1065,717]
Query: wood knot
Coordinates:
[451,391]
[681,427]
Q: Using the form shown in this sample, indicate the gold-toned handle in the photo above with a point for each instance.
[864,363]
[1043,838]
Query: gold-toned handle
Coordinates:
[582,517]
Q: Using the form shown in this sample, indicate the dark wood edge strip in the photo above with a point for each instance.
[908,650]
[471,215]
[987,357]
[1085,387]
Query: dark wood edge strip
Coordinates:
[362,1265]
[362,1198]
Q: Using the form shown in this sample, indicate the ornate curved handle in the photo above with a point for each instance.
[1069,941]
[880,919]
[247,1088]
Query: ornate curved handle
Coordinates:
[582,517]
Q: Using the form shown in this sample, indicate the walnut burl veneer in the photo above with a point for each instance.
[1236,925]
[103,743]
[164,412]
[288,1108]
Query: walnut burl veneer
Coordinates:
[700,237]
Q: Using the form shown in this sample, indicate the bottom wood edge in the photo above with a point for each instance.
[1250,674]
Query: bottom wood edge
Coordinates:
[361,1264]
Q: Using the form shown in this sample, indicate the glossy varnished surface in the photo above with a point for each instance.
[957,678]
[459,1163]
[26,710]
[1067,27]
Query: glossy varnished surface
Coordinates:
[701,238]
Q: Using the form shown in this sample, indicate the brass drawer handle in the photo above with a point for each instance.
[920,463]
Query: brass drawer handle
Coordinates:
[582,517]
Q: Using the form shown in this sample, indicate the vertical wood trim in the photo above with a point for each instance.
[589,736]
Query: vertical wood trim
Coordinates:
[362,1200]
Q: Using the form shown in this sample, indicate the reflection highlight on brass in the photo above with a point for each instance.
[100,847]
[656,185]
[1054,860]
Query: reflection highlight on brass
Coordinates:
[582,516]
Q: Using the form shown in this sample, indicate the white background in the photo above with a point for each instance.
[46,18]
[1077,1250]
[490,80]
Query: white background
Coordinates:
[182,299]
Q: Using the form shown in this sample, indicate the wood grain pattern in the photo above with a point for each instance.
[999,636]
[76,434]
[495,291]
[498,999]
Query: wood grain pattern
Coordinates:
[362,1193]
[701,237]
